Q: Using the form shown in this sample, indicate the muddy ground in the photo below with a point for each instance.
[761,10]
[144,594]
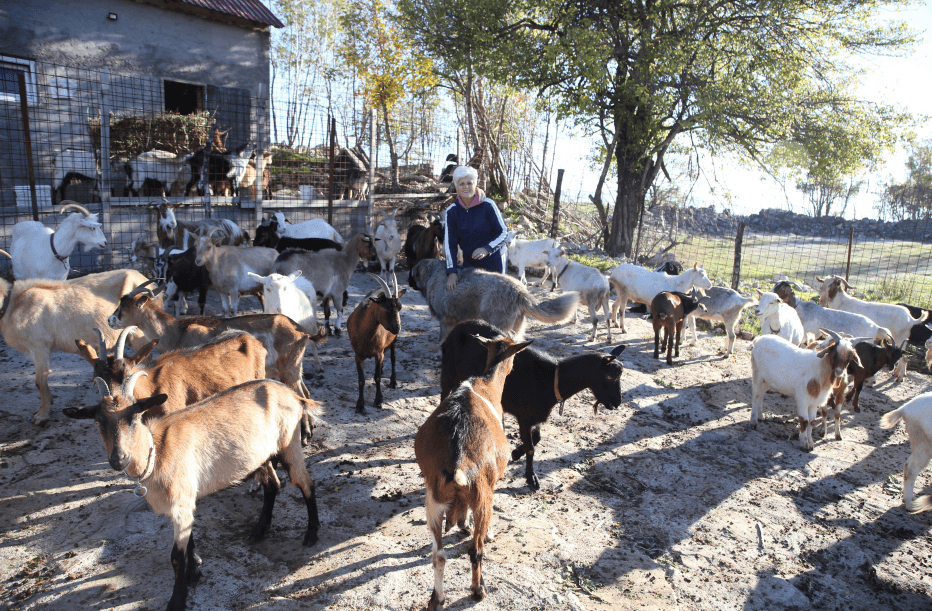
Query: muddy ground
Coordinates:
[669,502]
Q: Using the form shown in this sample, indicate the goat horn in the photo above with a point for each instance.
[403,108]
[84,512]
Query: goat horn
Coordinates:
[395,282]
[848,285]
[384,284]
[819,279]
[102,344]
[140,288]
[394,212]
[102,387]
[121,341]
[6,253]
[130,384]
[68,205]
[832,334]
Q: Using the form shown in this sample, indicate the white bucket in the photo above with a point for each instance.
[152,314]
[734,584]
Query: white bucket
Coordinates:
[43,196]
[307,191]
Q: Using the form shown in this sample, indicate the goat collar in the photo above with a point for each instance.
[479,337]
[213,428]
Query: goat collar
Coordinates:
[560,275]
[774,331]
[141,490]
[55,252]
[556,388]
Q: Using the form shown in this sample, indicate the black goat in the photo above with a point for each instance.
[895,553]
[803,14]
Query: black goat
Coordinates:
[184,276]
[446,175]
[267,235]
[873,359]
[919,334]
[529,395]
[218,167]
[424,242]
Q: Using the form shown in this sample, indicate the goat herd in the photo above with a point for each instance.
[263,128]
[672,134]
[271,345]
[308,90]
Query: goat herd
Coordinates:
[203,415]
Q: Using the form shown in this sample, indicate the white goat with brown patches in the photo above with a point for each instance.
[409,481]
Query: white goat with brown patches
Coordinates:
[40,316]
[462,452]
[916,414]
[806,375]
[191,453]
[895,318]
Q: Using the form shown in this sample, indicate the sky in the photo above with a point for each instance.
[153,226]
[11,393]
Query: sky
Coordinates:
[906,82]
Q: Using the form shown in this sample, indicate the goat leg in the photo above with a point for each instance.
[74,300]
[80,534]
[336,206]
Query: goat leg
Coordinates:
[528,435]
[193,562]
[180,591]
[361,402]
[379,359]
[269,492]
[392,382]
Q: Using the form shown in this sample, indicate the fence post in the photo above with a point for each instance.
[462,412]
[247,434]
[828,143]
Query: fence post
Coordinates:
[555,225]
[333,144]
[371,202]
[850,243]
[105,209]
[261,135]
[27,141]
[736,272]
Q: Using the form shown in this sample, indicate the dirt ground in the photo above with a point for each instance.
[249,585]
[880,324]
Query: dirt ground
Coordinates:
[669,502]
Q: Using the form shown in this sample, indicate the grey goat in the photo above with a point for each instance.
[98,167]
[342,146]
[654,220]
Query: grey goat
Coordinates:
[479,295]
[592,286]
[725,305]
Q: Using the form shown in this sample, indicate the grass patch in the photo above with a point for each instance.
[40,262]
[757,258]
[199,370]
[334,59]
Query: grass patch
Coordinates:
[603,265]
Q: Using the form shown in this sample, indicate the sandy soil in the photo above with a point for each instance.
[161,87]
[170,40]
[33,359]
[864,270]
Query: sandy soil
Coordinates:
[669,502]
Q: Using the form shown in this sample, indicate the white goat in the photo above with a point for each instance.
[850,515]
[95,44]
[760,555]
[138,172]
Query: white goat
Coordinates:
[294,297]
[529,253]
[725,305]
[387,244]
[642,285]
[314,228]
[589,282]
[896,318]
[806,375]
[39,252]
[70,164]
[916,414]
[168,169]
[777,318]
[815,317]
[228,267]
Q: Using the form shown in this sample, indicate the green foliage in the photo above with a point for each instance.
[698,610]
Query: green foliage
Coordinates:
[603,265]
[911,199]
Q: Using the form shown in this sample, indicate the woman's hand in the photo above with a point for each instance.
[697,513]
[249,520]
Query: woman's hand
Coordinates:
[451,281]
[480,253]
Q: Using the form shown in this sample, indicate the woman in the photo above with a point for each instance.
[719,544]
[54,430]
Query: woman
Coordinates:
[474,223]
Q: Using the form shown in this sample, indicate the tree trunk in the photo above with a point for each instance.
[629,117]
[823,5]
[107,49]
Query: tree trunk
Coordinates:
[391,146]
[629,202]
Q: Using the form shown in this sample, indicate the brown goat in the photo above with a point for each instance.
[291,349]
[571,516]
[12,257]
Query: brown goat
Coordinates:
[462,452]
[283,339]
[186,376]
[668,310]
[424,242]
[373,327]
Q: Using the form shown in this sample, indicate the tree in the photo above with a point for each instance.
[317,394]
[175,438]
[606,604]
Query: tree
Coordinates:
[736,76]
[912,198]
[389,66]
[827,192]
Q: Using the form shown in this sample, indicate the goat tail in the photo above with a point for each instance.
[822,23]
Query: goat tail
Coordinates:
[890,419]
[458,477]
[922,318]
[551,311]
[233,230]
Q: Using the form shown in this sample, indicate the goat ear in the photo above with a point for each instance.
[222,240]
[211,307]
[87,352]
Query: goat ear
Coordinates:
[150,402]
[759,292]
[617,350]
[142,354]
[81,413]
[294,275]
[402,292]
[696,266]
[86,351]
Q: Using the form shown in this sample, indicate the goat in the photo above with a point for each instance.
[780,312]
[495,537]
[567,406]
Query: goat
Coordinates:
[722,304]
[815,317]
[373,327]
[162,167]
[896,318]
[929,354]
[173,232]
[669,310]
[249,177]
[191,453]
[480,295]
[70,165]
[40,252]
[525,396]
[462,452]
[267,235]
[329,271]
[216,164]
[282,338]
[239,162]
[182,276]
[228,267]
[40,316]
[918,335]
[588,282]
[777,318]
[186,376]
[294,297]
[873,359]
[530,253]
[387,244]
[424,242]
[671,268]
[642,285]
[806,375]
[916,415]
[313,228]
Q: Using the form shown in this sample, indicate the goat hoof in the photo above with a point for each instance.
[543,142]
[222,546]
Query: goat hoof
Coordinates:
[533,483]
[392,384]
[310,538]
[435,601]
[478,593]
[40,420]
[177,603]
[258,533]
[338,331]
[856,408]
[193,576]
[516,454]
